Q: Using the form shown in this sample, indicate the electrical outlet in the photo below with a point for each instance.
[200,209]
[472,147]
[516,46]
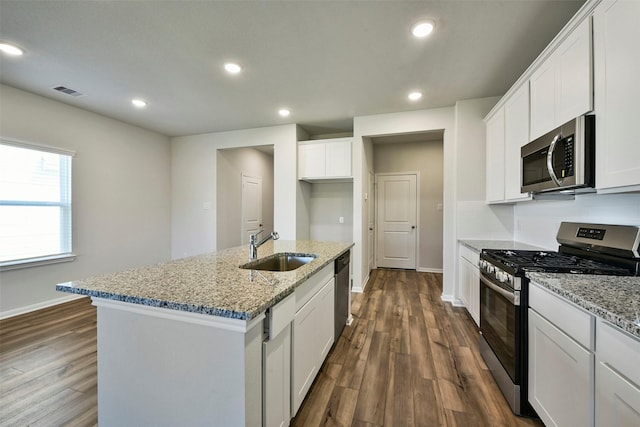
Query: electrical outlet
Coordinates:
[341,220]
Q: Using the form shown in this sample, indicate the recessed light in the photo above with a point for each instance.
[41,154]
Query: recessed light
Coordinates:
[414,96]
[10,49]
[423,29]
[284,112]
[232,68]
[139,103]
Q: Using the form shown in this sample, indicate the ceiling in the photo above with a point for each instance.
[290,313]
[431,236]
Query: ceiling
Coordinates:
[327,61]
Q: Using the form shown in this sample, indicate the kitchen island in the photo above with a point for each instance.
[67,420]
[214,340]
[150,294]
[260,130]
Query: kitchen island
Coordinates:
[181,342]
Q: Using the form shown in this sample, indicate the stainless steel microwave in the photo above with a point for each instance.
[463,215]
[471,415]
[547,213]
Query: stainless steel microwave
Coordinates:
[562,159]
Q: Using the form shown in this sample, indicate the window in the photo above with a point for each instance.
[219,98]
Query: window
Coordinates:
[35,205]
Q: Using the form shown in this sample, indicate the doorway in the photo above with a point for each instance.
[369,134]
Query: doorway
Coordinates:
[423,153]
[244,194]
[397,216]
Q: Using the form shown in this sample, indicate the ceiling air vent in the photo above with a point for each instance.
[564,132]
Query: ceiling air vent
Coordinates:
[67,91]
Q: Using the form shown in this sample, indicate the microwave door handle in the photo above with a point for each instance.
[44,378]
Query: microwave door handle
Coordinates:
[552,149]
[506,294]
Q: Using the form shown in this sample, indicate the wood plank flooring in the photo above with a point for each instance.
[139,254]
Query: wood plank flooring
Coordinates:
[48,367]
[408,359]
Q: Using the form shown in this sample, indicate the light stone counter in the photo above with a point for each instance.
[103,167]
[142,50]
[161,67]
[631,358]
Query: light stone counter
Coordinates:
[613,298]
[211,284]
[479,245]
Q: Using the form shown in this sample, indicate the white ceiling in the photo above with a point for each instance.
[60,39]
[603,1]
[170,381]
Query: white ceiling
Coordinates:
[328,61]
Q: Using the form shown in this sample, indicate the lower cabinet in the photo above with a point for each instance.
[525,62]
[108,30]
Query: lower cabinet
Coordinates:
[561,377]
[276,390]
[561,359]
[469,281]
[312,336]
[617,378]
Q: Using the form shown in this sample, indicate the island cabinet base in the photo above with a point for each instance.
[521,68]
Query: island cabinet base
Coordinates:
[165,367]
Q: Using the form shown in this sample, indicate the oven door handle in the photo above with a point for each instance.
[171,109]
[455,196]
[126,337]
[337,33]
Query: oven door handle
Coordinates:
[508,295]
[552,149]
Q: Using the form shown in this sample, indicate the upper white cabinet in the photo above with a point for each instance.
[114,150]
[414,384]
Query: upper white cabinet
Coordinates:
[495,157]
[507,130]
[562,86]
[324,159]
[516,134]
[617,91]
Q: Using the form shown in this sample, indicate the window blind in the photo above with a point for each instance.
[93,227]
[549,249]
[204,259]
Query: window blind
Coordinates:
[35,202]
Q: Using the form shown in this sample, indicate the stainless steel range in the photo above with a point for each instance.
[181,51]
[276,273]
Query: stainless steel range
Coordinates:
[584,249]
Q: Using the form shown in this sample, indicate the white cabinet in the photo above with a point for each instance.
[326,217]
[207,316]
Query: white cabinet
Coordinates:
[617,397]
[324,159]
[516,134]
[561,87]
[469,281]
[507,130]
[313,330]
[561,359]
[276,368]
[617,91]
[495,157]
[276,389]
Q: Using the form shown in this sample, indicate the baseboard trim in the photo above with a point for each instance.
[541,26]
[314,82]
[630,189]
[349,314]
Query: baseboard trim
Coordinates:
[360,289]
[448,298]
[429,270]
[39,306]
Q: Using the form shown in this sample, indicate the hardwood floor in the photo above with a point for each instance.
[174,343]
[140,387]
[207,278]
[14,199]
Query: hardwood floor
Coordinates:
[48,367]
[408,359]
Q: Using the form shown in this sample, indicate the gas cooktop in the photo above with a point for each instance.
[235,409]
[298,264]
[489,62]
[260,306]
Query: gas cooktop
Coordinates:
[518,261]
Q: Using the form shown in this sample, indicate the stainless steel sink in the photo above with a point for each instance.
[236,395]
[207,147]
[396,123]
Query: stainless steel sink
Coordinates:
[280,262]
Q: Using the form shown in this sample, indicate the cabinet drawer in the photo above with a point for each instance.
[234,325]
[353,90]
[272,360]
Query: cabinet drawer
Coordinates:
[281,315]
[313,284]
[619,350]
[470,255]
[574,321]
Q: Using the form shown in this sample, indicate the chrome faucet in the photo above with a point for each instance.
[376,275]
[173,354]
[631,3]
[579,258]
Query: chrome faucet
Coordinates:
[254,244]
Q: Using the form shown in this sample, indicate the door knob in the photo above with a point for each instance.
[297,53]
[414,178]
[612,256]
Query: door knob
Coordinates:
[413,227]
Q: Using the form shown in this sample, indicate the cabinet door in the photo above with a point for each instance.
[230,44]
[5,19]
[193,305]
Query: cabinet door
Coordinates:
[463,280]
[474,292]
[325,320]
[617,399]
[543,99]
[574,74]
[495,158]
[562,87]
[617,91]
[516,132]
[311,160]
[561,377]
[276,397]
[305,354]
[338,159]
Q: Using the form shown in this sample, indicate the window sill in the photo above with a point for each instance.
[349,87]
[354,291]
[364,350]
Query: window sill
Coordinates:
[36,262]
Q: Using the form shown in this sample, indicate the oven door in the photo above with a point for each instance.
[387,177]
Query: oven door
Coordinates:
[500,325]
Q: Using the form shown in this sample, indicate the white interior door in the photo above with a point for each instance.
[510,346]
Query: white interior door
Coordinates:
[251,206]
[397,221]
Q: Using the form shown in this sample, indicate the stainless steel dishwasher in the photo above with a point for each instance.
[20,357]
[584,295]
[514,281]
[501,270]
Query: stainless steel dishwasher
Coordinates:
[341,293]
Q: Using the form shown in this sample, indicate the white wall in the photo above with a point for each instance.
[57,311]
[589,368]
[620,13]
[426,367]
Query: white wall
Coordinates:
[121,195]
[232,164]
[474,218]
[425,157]
[329,202]
[194,178]
[537,222]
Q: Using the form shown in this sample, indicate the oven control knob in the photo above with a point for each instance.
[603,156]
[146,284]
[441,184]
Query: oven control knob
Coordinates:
[501,276]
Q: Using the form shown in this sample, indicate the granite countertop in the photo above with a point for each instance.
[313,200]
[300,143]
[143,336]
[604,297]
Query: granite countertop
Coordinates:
[479,245]
[613,298]
[211,283]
